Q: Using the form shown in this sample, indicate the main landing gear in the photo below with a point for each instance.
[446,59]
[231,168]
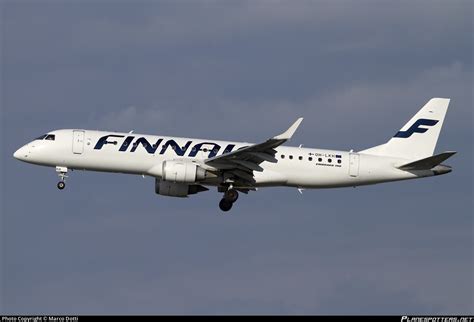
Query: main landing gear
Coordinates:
[62,173]
[230,196]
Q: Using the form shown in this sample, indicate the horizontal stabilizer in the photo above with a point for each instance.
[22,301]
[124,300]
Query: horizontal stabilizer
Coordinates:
[428,163]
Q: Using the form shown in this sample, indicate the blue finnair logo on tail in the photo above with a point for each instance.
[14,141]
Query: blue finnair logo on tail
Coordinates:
[415,128]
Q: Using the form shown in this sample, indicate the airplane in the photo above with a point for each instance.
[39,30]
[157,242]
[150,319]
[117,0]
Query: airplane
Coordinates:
[186,166]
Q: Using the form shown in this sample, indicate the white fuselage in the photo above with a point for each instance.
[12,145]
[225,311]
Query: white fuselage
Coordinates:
[144,155]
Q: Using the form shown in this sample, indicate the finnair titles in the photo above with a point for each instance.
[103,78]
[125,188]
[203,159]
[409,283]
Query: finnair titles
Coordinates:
[184,166]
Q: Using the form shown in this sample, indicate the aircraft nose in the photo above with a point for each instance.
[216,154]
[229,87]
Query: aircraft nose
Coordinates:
[21,153]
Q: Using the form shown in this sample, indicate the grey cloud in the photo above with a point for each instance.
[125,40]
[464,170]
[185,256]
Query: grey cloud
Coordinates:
[121,120]
[347,106]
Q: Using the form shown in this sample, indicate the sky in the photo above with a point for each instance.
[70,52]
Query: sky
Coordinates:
[241,71]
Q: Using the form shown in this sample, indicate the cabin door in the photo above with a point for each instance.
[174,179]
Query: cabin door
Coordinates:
[354,164]
[78,142]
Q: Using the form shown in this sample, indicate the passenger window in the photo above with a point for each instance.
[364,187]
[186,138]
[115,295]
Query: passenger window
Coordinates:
[50,137]
[320,160]
[329,160]
[300,158]
[310,159]
[282,156]
[339,161]
[291,157]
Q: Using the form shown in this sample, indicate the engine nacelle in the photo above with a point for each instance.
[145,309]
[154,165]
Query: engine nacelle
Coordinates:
[182,171]
[173,189]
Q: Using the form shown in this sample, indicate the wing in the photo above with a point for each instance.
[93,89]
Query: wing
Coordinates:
[239,165]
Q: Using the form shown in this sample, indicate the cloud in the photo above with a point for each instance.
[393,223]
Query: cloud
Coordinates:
[135,29]
[347,106]
[123,119]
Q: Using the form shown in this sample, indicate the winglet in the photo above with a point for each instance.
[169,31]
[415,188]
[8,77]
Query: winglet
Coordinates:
[289,133]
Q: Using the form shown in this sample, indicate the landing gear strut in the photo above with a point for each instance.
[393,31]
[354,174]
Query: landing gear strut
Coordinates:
[230,196]
[62,171]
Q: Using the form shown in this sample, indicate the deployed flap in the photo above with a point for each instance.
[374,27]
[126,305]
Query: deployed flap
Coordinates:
[428,163]
[247,159]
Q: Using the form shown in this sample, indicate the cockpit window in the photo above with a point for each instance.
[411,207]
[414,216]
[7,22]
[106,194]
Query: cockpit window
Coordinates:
[41,137]
[50,137]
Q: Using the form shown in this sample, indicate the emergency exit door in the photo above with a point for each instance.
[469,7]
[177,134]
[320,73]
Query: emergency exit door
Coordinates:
[78,142]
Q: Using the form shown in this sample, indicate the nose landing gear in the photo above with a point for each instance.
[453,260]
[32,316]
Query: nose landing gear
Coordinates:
[62,173]
[230,196]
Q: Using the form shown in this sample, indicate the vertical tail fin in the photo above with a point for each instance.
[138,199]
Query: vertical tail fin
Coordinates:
[417,139]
